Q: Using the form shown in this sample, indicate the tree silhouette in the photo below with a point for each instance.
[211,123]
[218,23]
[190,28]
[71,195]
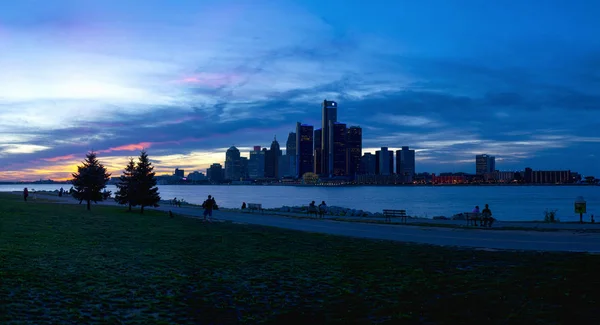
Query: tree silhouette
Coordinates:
[146,193]
[127,186]
[89,180]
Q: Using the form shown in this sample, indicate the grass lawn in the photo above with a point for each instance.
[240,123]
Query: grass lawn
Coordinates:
[60,264]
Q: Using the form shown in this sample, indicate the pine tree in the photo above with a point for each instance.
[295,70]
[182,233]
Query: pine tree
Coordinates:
[126,186]
[146,193]
[89,180]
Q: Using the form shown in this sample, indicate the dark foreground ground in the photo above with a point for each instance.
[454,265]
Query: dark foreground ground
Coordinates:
[60,264]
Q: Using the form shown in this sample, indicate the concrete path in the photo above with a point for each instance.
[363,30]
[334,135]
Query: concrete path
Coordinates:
[476,238]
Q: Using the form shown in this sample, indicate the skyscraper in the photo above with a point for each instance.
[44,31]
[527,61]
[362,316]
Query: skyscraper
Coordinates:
[289,161]
[329,115]
[368,164]
[485,164]
[256,163]
[179,172]
[215,173]
[232,164]
[337,147]
[318,163]
[290,145]
[354,150]
[383,158]
[272,160]
[304,149]
[405,164]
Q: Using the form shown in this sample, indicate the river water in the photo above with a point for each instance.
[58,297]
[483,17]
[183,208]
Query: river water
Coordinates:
[509,203]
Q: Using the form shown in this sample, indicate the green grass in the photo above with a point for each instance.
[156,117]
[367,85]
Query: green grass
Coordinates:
[63,265]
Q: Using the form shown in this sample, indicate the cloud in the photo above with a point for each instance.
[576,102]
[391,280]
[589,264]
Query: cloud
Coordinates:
[405,120]
[186,80]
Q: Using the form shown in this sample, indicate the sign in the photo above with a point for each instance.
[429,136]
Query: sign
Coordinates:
[580,207]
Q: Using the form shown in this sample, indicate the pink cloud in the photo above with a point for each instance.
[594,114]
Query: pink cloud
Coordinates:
[129,147]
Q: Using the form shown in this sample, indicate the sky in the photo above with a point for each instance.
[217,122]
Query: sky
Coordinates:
[186,80]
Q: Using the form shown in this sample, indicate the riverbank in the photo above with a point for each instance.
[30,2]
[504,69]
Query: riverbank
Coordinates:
[71,266]
[372,218]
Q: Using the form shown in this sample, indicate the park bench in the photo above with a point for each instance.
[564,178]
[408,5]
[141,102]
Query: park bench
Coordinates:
[389,214]
[312,210]
[255,206]
[472,218]
[322,211]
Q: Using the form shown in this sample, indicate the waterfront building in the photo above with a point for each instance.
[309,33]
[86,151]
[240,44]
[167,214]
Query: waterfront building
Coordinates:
[368,164]
[353,150]
[272,160]
[196,176]
[485,164]
[244,167]
[385,161]
[372,179]
[448,179]
[405,164]
[329,115]
[548,176]
[232,164]
[291,152]
[304,162]
[337,146]
[215,173]
[318,163]
[179,173]
[256,163]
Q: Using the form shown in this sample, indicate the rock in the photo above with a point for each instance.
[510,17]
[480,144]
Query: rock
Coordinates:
[459,216]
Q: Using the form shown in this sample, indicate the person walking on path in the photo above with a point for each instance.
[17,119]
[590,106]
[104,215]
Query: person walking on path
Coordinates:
[208,207]
[25,193]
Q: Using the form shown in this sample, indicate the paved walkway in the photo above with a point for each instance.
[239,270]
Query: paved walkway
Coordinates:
[476,238]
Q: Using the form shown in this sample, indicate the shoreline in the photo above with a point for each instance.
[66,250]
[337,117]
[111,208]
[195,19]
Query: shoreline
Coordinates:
[370,218]
[332,185]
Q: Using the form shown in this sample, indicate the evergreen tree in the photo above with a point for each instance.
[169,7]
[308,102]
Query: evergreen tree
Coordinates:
[89,180]
[126,186]
[146,193]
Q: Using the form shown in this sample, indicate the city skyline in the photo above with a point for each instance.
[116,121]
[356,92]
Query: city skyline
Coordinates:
[187,81]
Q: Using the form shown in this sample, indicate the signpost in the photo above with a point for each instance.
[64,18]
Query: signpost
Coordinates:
[580,207]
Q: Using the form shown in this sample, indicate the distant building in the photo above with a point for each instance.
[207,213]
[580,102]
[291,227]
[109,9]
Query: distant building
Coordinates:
[196,176]
[329,116]
[215,173]
[337,147]
[272,160]
[256,163]
[244,167]
[484,164]
[291,152]
[179,173]
[368,164]
[353,150]
[318,164]
[405,164]
[304,149]
[233,164]
[448,179]
[385,161]
[548,176]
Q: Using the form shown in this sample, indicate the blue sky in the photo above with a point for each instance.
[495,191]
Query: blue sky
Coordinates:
[187,79]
